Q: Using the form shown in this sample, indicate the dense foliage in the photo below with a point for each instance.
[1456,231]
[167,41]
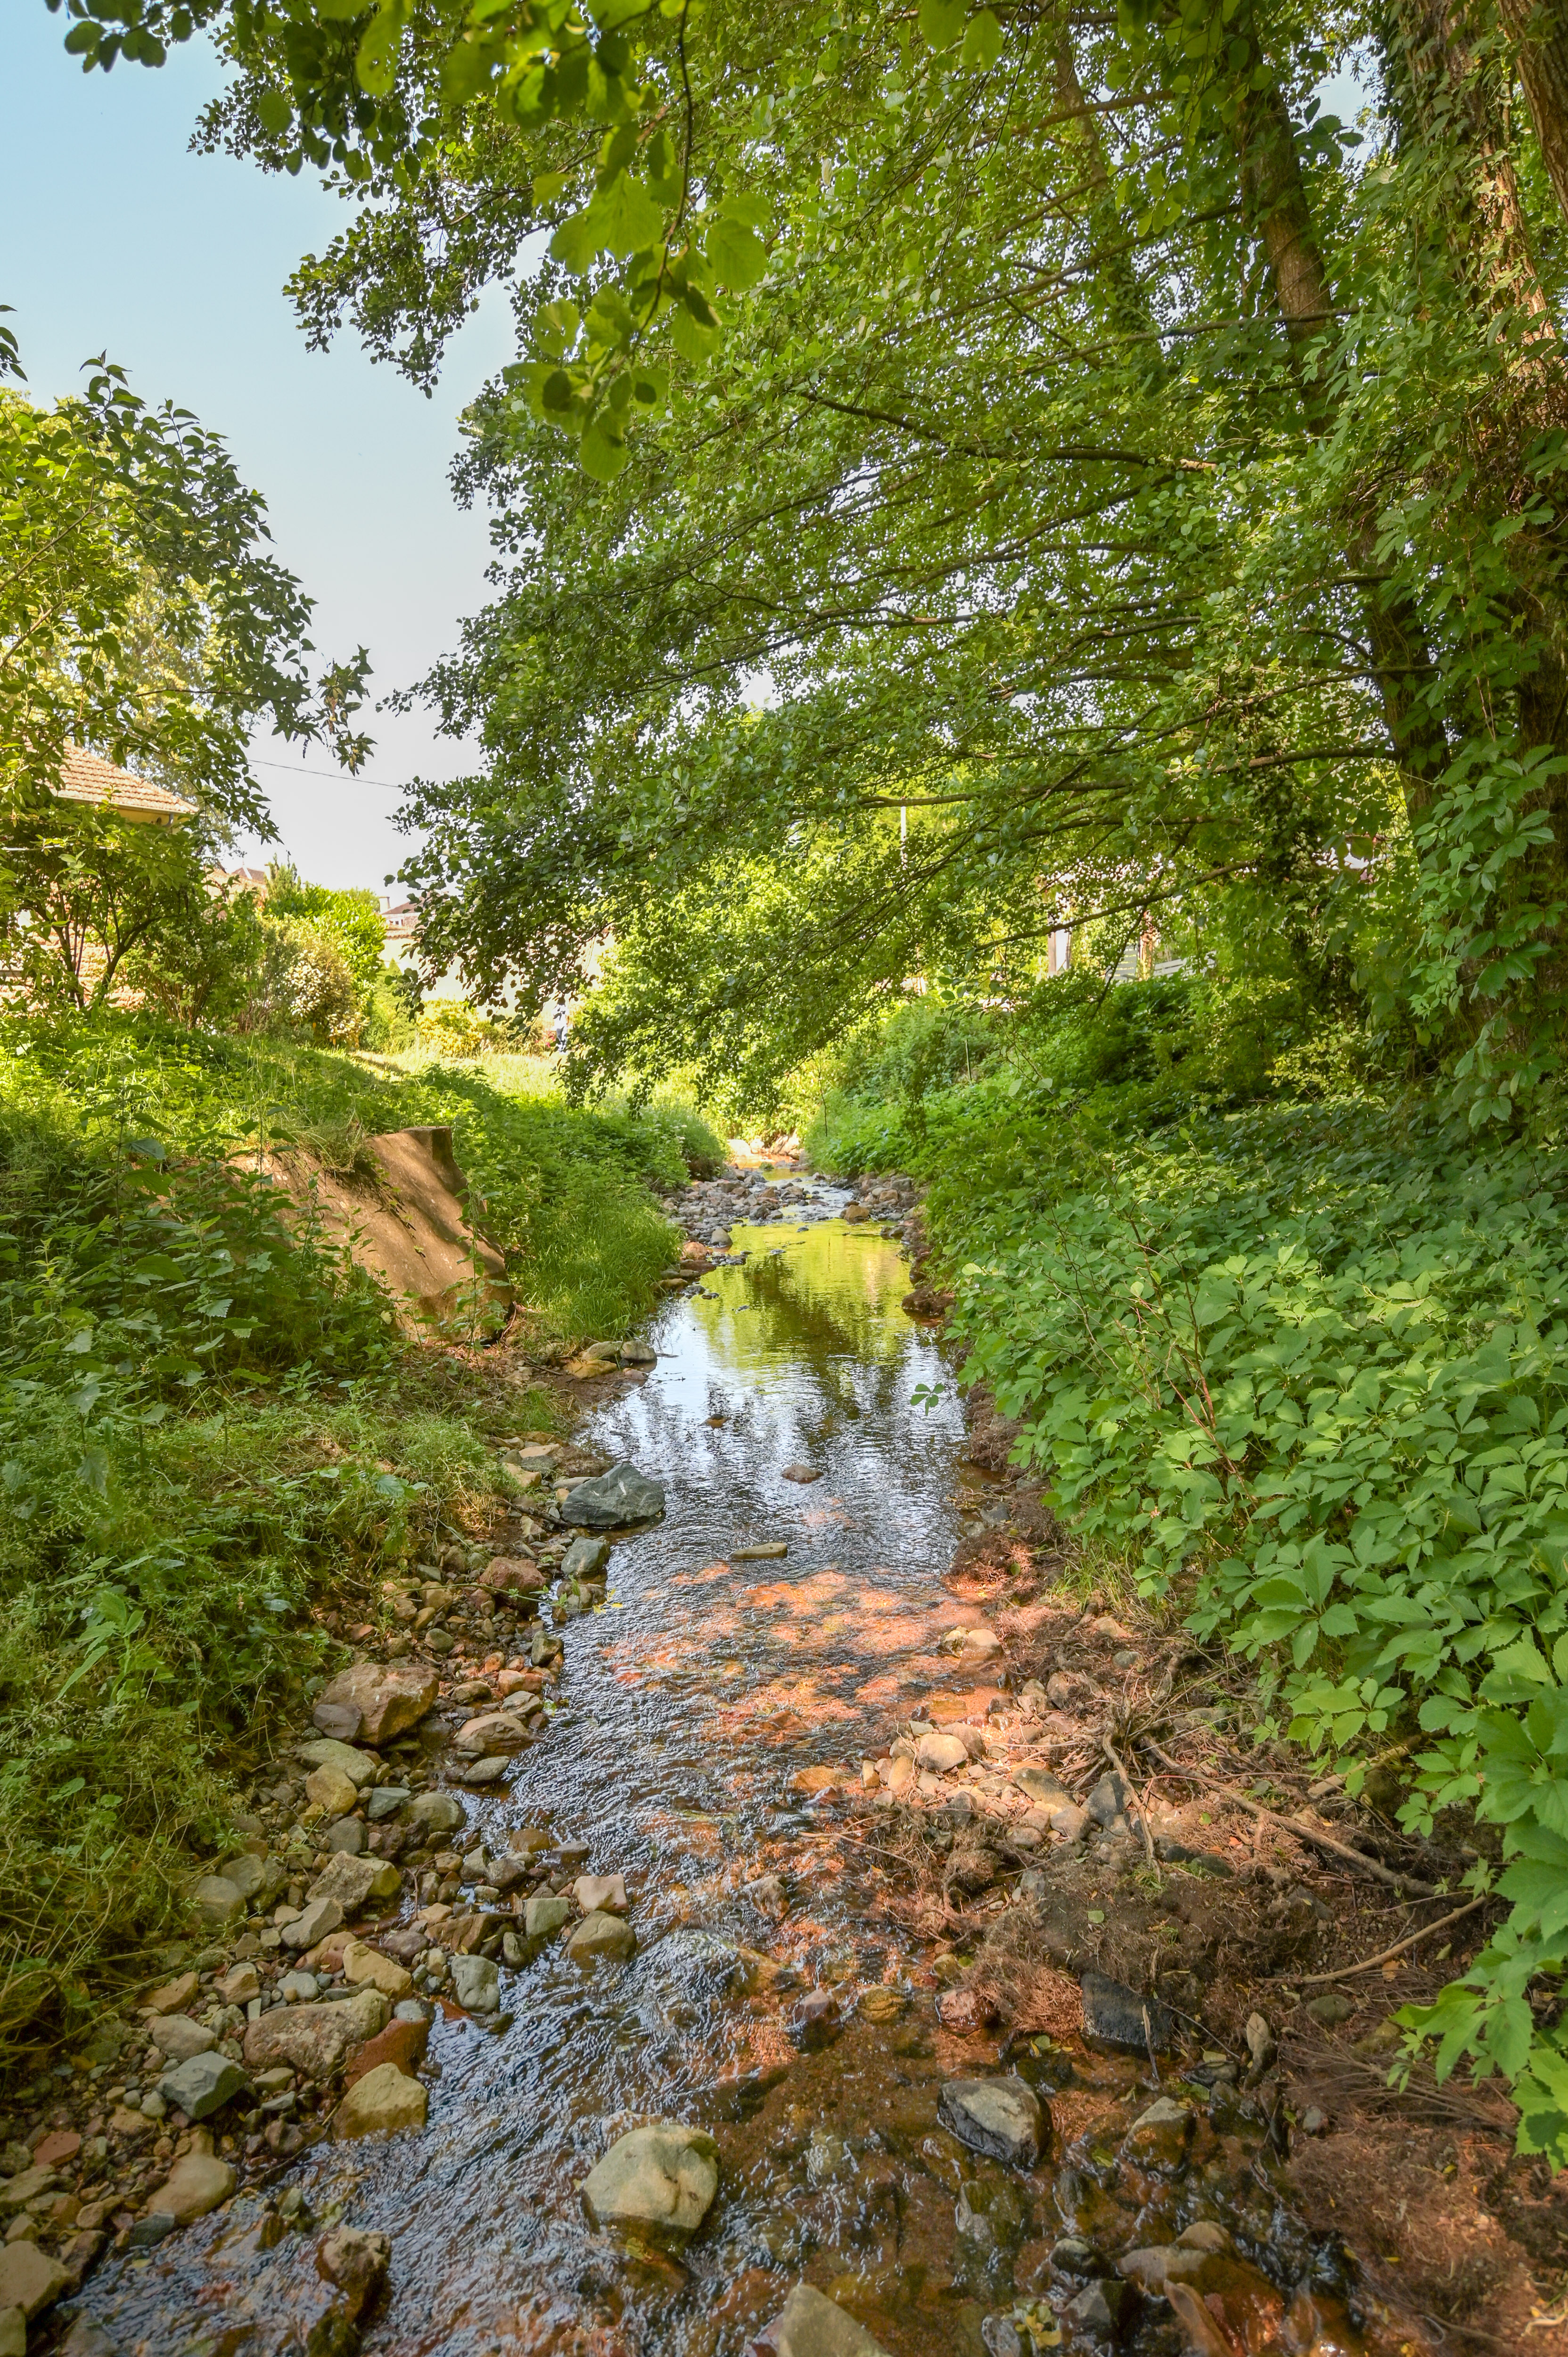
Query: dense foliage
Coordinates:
[210,1433]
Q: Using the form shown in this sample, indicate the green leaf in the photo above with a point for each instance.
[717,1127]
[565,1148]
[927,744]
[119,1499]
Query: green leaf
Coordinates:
[981,42]
[599,455]
[737,254]
[274,110]
[577,241]
[376,64]
[941,22]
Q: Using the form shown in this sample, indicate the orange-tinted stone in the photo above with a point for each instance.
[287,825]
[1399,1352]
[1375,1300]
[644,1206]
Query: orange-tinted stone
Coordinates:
[402,2042]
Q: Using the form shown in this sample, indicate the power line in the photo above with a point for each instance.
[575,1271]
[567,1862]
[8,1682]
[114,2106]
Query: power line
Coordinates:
[335,777]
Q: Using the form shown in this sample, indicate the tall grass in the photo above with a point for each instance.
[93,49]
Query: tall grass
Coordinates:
[210,1432]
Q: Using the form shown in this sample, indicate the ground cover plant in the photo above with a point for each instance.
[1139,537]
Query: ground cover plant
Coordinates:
[212,1441]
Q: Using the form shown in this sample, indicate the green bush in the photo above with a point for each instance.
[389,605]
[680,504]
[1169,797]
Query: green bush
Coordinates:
[208,1426]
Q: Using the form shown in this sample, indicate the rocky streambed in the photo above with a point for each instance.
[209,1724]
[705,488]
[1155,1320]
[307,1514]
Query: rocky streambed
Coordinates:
[720,1914]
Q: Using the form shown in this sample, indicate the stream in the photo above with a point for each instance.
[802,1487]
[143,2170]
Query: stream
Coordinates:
[696,1696]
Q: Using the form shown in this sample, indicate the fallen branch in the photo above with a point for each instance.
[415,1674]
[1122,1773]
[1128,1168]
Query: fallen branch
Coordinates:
[1294,1825]
[1348,1971]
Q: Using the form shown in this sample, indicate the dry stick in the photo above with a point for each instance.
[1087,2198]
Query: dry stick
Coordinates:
[1293,1826]
[1347,1972]
[1108,1747]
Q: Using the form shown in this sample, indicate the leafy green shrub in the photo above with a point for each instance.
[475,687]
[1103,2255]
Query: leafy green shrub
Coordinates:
[1303,1367]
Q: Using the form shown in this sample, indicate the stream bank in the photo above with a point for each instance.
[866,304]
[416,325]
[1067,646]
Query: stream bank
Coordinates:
[810,1956]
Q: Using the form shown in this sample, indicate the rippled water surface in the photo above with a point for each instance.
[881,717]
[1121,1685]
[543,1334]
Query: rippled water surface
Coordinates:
[697,1696]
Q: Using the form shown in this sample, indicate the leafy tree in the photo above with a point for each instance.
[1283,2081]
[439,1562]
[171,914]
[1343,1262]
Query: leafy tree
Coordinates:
[141,614]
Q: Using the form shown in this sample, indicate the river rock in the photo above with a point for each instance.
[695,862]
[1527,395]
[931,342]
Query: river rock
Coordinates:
[490,1770]
[175,2035]
[215,1900]
[1119,2017]
[314,2039]
[476,1984]
[174,1995]
[240,1984]
[811,2325]
[600,1893]
[361,1767]
[402,2042]
[601,1935]
[366,1967]
[380,2104]
[313,1923]
[29,2279]
[385,1802]
[1107,1803]
[585,1559]
[546,1913]
[511,1575]
[436,1813]
[800,1473]
[197,2183]
[1157,2140]
[613,1500]
[659,2182]
[356,2261]
[1040,1786]
[1002,2117]
[495,1731]
[202,2084]
[331,1791]
[940,1753]
[353,1882]
[256,1878]
[388,1698]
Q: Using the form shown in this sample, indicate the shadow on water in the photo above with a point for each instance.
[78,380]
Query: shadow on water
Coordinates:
[696,1696]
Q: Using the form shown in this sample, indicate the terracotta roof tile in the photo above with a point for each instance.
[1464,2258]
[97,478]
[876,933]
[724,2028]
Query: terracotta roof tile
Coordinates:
[86,777]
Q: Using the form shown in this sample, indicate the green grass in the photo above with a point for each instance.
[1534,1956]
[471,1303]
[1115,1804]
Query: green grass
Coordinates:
[211,1438]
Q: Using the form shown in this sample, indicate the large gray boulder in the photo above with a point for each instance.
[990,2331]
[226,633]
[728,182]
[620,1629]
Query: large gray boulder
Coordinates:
[612,1500]
[658,2183]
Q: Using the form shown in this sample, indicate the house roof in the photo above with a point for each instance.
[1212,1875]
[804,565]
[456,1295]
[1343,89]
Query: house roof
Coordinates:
[87,778]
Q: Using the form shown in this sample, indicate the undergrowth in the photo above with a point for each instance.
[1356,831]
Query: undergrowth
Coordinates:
[1302,1366]
[210,1432]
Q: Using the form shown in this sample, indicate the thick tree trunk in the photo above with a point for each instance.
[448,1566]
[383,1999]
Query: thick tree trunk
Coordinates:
[1539,34]
[1276,196]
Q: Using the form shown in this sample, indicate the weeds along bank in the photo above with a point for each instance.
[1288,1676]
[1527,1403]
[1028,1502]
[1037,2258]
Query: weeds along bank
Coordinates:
[212,1441]
[1299,1367]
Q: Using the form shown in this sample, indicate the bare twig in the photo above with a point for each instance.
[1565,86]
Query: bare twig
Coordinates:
[1294,1825]
[1110,1750]
[1348,1971]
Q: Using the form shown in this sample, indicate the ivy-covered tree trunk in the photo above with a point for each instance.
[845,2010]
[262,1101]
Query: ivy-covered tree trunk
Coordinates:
[1274,194]
[1540,31]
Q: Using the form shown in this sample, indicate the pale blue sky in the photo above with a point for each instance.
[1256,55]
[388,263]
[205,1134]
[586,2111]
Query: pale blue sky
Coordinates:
[114,237]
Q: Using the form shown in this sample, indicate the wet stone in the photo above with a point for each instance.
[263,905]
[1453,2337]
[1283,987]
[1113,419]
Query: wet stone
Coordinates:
[659,2182]
[476,1984]
[811,2325]
[601,1936]
[1101,2312]
[1002,2117]
[814,2022]
[1158,2138]
[615,1500]
[1119,2017]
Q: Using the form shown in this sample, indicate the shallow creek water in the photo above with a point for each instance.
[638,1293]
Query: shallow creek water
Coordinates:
[695,1697]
